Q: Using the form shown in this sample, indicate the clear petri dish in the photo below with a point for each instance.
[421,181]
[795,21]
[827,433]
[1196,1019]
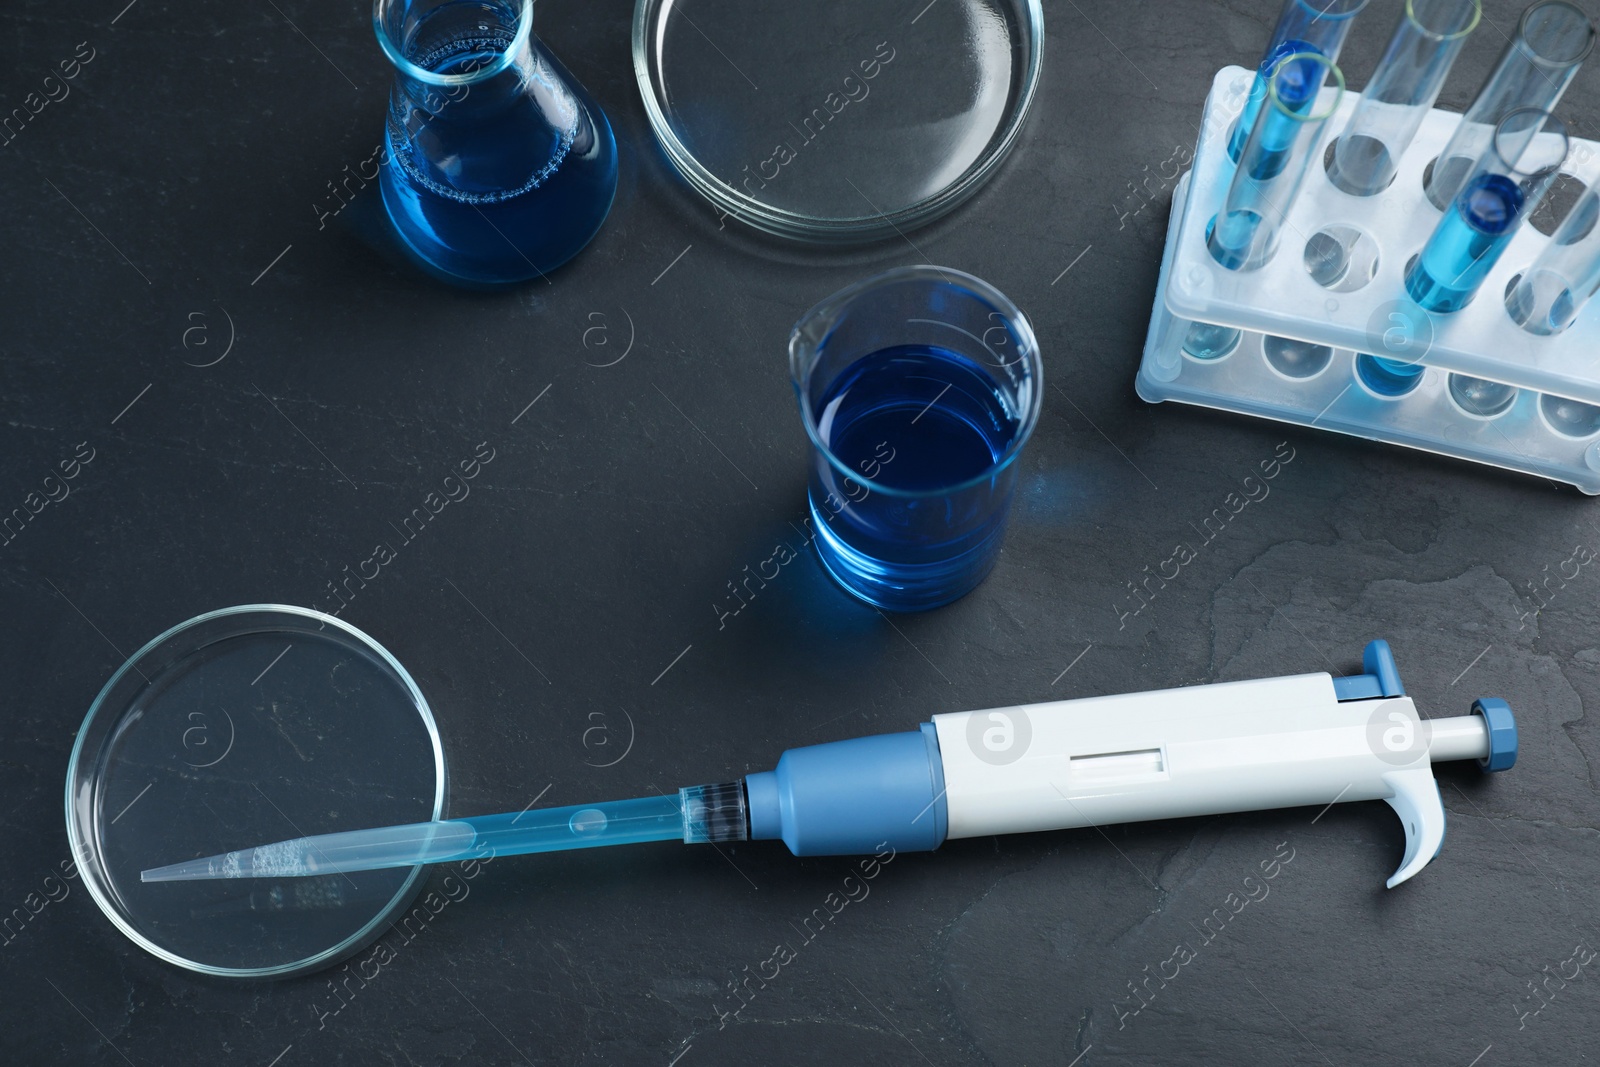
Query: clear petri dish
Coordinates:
[834,121]
[238,728]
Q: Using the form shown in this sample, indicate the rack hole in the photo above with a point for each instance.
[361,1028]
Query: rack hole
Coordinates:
[1453,173]
[1341,258]
[1560,198]
[1209,343]
[1366,169]
[1480,397]
[1569,418]
[1588,209]
[1296,359]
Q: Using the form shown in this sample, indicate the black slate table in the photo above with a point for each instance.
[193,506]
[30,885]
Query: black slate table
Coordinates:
[176,201]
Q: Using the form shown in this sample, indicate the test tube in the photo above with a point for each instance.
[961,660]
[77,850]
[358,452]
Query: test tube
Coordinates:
[1303,26]
[1526,152]
[1550,293]
[1553,38]
[1281,145]
[1425,43]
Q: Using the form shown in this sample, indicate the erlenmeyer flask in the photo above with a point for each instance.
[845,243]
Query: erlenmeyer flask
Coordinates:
[498,165]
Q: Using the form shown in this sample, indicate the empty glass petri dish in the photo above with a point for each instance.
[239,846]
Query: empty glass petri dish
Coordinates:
[834,121]
[237,728]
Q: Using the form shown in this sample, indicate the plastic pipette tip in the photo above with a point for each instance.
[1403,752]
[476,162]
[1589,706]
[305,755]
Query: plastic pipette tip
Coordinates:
[337,853]
[286,859]
[187,871]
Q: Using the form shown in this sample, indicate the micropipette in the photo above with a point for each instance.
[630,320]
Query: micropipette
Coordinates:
[1307,739]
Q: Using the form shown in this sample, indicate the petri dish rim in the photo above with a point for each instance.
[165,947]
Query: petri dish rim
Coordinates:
[83,852]
[648,15]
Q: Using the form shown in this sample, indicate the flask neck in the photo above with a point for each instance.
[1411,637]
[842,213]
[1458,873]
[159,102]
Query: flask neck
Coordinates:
[519,84]
[479,108]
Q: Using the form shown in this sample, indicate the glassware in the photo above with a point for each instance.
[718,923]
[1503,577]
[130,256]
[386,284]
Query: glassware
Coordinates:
[1553,38]
[1279,150]
[238,726]
[1318,26]
[1425,43]
[918,388]
[498,166]
[1566,275]
[832,121]
[1524,156]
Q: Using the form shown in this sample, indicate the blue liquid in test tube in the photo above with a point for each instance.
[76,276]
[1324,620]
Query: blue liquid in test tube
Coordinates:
[1507,183]
[1304,26]
[1277,153]
[1258,93]
[1469,239]
[1297,91]
[1388,377]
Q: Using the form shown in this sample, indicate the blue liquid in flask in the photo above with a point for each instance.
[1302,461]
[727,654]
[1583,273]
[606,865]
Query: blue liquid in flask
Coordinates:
[1469,239]
[498,180]
[921,431]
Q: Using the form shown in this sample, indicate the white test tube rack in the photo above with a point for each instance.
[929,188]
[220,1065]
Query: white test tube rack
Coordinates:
[1367,311]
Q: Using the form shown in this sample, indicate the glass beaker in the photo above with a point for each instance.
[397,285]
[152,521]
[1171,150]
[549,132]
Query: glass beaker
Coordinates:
[498,166]
[918,388]
[1504,188]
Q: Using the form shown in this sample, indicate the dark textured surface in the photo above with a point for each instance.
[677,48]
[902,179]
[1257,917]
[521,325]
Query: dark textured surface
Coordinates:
[196,145]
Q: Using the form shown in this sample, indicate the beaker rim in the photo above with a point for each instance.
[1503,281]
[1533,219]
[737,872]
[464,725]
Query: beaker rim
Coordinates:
[507,56]
[1328,66]
[1435,35]
[1018,322]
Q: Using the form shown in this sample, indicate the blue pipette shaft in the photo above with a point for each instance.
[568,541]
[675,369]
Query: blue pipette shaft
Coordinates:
[613,822]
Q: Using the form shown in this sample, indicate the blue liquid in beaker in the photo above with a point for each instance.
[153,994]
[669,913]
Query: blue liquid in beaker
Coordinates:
[497,181]
[1469,239]
[906,423]
[1231,238]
